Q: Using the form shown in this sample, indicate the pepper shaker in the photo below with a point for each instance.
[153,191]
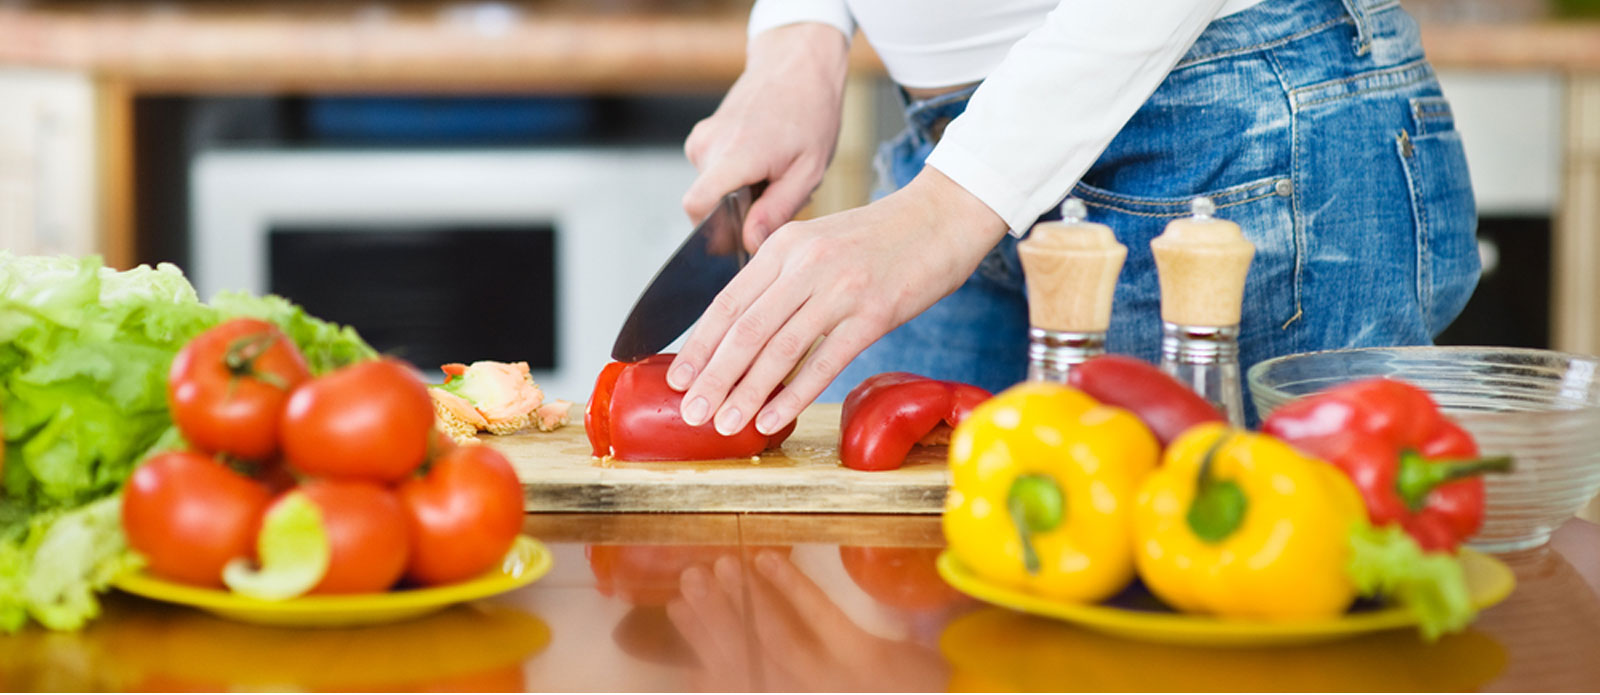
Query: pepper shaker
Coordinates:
[1202,262]
[1071,270]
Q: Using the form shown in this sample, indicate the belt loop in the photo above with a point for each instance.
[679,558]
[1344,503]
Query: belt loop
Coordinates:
[1358,13]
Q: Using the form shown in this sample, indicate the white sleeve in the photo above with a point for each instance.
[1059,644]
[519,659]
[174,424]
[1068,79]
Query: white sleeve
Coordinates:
[770,14]
[1044,115]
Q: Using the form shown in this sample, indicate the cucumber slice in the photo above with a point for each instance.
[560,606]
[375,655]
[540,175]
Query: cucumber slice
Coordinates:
[294,552]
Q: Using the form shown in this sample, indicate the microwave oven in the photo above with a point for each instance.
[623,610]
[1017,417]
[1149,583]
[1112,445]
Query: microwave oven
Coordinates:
[447,256]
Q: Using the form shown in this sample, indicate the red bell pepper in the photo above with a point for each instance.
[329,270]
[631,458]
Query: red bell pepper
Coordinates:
[634,416]
[887,414]
[1161,402]
[1413,466]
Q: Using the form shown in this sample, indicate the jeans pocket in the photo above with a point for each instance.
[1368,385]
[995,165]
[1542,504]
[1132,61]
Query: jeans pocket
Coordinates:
[1442,209]
[1264,211]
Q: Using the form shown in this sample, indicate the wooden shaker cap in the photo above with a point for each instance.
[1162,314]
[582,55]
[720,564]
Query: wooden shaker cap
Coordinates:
[1202,262]
[1071,269]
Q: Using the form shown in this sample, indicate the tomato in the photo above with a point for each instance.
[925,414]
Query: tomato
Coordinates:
[633,416]
[370,421]
[905,578]
[189,515]
[227,387]
[463,515]
[366,527]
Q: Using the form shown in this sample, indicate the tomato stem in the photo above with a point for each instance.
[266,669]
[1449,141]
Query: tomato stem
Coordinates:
[244,352]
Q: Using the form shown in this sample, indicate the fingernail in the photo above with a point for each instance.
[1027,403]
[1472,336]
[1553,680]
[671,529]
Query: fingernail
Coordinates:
[767,423]
[695,412]
[767,562]
[679,378]
[727,571]
[694,583]
[728,421]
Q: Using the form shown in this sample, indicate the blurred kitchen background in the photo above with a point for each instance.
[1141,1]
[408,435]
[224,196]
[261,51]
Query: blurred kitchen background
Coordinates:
[497,180]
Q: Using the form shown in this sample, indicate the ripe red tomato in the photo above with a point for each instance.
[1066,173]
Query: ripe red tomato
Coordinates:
[228,385]
[368,421]
[905,578]
[463,515]
[189,515]
[366,529]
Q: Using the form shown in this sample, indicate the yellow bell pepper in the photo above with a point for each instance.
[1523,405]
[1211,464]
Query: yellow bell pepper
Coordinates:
[1236,524]
[1043,480]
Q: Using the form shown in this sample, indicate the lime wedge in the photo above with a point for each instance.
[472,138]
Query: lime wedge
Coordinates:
[293,549]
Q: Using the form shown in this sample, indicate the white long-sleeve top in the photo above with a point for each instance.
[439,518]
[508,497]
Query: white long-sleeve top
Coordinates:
[1060,78]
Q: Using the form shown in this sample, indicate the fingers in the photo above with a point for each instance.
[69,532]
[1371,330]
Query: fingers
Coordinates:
[810,602]
[725,343]
[842,344]
[786,193]
[710,621]
[769,363]
[789,642]
[715,181]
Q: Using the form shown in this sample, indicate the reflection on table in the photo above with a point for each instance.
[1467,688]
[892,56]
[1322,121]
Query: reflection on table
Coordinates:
[777,602]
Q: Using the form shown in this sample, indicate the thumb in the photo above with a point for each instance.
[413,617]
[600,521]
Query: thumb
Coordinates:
[782,200]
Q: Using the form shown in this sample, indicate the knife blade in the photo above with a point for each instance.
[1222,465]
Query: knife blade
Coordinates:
[685,285]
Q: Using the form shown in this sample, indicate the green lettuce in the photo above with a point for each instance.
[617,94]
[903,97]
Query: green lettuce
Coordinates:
[1386,563]
[84,354]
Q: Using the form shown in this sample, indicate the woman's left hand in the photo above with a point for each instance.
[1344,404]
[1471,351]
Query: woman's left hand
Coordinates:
[851,276]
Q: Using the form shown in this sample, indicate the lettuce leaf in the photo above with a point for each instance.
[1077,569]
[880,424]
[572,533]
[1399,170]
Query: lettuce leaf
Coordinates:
[1386,563]
[84,354]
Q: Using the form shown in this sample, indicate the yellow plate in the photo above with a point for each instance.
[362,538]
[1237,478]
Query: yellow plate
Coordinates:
[1488,580]
[527,561]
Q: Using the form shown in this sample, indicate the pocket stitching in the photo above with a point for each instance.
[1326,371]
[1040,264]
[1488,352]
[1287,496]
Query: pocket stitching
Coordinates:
[1422,70]
[1419,221]
[1224,198]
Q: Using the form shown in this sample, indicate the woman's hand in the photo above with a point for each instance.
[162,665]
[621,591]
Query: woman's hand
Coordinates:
[779,123]
[803,641]
[852,276]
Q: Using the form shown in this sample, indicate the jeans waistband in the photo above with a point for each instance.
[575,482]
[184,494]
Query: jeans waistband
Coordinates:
[1278,21]
[1270,22]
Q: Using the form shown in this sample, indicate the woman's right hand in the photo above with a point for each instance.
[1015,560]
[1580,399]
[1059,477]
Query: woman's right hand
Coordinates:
[779,123]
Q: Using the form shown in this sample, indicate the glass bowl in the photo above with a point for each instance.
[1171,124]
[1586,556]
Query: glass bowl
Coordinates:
[1540,407]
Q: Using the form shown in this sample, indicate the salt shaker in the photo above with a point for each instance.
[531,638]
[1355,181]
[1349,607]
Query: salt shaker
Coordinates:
[1202,262]
[1071,269]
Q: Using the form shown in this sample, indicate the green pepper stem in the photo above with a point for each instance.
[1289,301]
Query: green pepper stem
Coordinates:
[1219,505]
[1037,506]
[1417,476]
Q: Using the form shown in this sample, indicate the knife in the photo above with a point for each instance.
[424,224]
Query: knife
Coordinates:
[686,284]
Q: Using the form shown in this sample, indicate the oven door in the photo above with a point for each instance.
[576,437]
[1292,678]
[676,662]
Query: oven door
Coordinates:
[452,256]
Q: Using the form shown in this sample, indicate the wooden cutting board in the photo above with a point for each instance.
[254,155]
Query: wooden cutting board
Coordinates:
[559,475]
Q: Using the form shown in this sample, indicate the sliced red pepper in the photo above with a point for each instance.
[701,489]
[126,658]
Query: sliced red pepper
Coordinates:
[887,414]
[597,416]
[1163,403]
[453,370]
[1413,466]
[634,416]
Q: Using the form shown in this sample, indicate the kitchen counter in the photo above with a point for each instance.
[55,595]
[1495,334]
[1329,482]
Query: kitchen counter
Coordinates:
[863,612]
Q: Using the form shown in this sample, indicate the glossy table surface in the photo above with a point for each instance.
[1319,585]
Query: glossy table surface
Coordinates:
[772,602]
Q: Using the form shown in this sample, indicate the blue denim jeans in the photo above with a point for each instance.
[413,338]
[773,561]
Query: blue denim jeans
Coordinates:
[1317,126]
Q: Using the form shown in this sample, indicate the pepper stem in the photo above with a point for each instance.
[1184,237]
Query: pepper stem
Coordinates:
[1219,505]
[1417,476]
[1037,506]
